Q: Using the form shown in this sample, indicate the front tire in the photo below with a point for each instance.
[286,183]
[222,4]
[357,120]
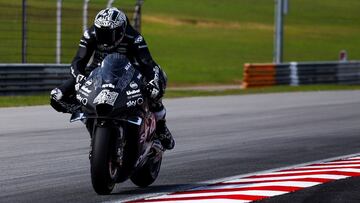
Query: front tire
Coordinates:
[103,171]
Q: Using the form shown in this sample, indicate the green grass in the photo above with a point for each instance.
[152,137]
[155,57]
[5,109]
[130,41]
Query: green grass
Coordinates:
[194,54]
[227,10]
[315,30]
[190,58]
[16,101]
[197,42]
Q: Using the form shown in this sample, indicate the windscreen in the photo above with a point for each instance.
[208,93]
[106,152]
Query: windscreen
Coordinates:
[115,70]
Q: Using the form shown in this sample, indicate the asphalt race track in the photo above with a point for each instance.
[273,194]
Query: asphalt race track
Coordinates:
[44,158]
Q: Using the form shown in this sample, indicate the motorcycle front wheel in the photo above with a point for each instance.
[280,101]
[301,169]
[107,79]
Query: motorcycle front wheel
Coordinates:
[103,170]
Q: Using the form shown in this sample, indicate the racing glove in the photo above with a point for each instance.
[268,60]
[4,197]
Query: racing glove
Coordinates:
[80,80]
[56,94]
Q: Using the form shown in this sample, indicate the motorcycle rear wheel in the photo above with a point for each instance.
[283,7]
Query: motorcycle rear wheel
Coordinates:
[103,171]
[147,174]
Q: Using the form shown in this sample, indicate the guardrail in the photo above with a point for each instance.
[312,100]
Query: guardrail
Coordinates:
[25,79]
[260,75]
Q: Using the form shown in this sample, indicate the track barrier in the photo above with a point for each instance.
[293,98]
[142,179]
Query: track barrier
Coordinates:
[24,79]
[294,74]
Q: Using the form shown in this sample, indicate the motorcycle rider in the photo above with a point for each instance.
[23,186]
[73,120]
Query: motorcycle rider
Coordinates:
[112,33]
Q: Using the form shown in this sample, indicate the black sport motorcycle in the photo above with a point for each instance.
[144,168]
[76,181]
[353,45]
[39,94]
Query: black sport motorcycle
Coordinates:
[116,112]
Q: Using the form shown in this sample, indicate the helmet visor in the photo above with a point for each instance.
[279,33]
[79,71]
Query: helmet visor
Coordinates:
[109,36]
[105,36]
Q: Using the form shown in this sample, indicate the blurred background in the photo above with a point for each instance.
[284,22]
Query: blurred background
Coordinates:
[196,42]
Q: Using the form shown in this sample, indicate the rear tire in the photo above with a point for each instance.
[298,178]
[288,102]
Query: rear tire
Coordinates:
[103,172]
[147,174]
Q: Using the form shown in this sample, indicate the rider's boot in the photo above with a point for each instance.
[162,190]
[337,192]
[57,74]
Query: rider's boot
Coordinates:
[164,135]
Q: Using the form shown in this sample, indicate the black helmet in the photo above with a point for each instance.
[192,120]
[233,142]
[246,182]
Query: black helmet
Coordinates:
[110,25]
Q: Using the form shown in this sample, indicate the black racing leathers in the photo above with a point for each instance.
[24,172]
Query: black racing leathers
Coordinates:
[132,45]
[135,48]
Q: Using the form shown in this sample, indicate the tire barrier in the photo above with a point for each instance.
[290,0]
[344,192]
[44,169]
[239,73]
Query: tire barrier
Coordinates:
[24,79]
[294,74]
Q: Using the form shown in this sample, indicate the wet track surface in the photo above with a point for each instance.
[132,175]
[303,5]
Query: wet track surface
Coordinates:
[44,158]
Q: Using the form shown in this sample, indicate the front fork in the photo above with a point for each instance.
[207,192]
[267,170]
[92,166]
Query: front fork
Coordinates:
[119,146]
[118,140]
[155,151]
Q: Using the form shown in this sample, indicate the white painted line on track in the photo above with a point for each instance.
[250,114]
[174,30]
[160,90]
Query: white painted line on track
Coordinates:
[268,193]
[344,162]
[332,166]
[354,158]
[300,184]
[313,171]
[332,177]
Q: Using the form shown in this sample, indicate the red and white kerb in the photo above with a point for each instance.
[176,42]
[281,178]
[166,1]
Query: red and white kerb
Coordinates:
[265,185]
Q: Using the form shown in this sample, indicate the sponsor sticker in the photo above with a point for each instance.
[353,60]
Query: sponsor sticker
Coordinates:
[131,103]
[106,97]
[78,97]
[86,35]
[139,39]
[140,101]
[85,89]
[81,99]
[139,76]
[84,93]
[88,82]
[132,92]
[108,86]
[134,96]
[128,66]
[134,85]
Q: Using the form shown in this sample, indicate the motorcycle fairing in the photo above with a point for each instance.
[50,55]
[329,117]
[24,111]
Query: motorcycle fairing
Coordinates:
[119,87]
